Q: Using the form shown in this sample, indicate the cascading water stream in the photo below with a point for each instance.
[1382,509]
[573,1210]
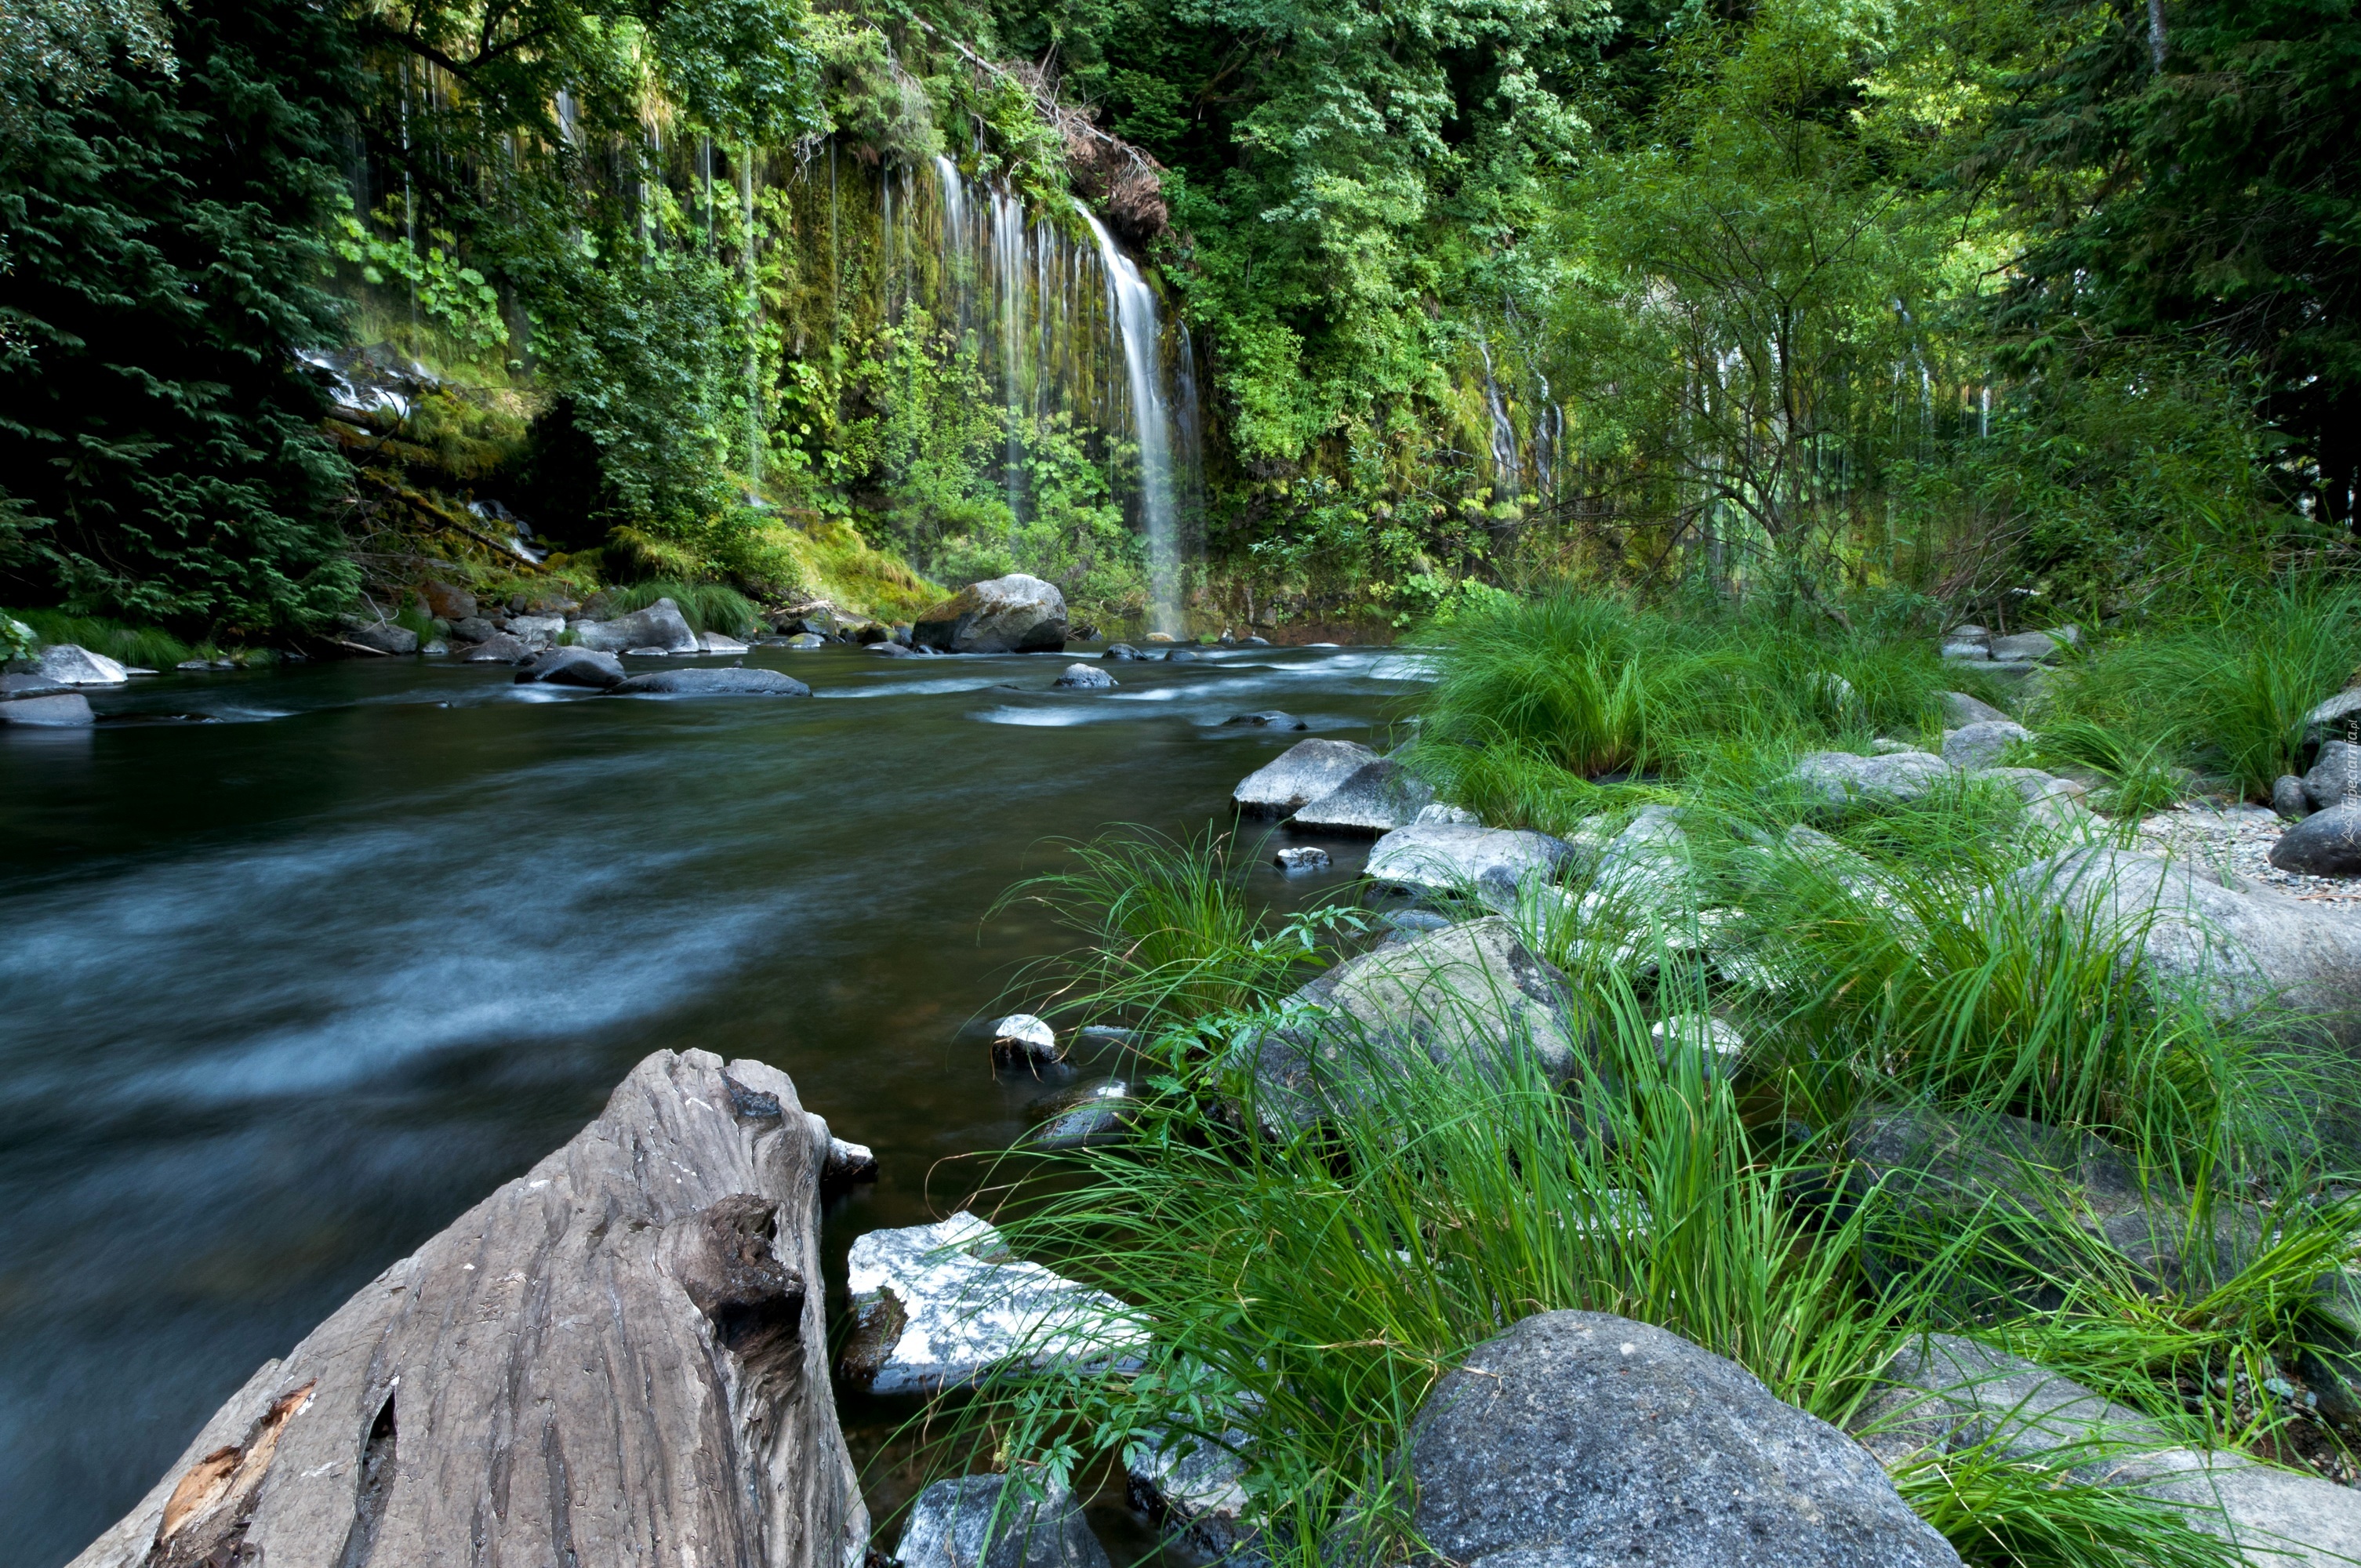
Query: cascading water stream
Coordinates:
[1151,420]
[1504,434]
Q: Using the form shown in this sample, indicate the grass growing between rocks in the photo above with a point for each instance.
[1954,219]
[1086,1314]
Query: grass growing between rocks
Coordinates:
[707,606]
[142,647]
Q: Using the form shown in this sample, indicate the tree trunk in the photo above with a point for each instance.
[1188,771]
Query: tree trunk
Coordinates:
[618,1358]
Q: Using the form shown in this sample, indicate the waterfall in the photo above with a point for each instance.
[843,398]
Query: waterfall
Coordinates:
[1151,422]
[1009,270]
[1504,434]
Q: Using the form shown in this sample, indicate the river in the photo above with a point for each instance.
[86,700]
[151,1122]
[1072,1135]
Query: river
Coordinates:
[295,965]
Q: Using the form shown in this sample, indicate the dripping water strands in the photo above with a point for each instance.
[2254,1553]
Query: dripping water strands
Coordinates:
[1504,434]
[1134,305]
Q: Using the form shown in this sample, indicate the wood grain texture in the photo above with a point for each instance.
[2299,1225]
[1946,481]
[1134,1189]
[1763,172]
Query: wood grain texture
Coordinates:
[619,1357]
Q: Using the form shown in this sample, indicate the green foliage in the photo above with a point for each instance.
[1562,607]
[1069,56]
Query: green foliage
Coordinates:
[144,647]
[165,242]
[455,296]
[2227,690]
[707,606]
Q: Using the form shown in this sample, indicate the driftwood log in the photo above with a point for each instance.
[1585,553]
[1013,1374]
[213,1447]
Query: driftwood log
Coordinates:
[619,1357]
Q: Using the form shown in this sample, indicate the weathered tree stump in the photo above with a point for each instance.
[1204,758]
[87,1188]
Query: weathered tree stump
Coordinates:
[619,1357]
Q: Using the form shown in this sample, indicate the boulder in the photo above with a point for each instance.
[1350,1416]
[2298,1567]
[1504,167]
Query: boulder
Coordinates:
[890,650]
[1982,745]
[2336,775]
[660,626]
[1468,998]
[1959,710]
[1491,862]
[1021,1038]
[1271,718]
[1721,1045]
[997,1521]
[445,603]
[731,682]
[841,1164]
[2288,799]
[473,629]
[1945,1391]
[572,667]
[804,640]
[62,710]
[1305,771]
[714,643]
[1101,1114]
[1841,780]
[1084,677]
[535,632]
[937,1306]
[20,683]
[1301,857]
[2033,647]
[1015,614]
[66,664]
[1377,797]
[2236,951]
[1577,1439]
[2326,844]
[376,637]
[463,1405]
[1195,1488]
[1181,656]
[1967,643]
[1121,651]
[2333,717]
[1441,813]
[499,648]
[1641,870]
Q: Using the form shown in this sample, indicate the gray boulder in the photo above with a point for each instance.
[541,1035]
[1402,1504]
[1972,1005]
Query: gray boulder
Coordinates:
[2327,843]
[714,643]
[1121,651]
[1101,1114]
[1959,710]
[62,710]
[2032,647]
[1301,857]
[1306,771]
[499,648]
[995,1522]
[1642,869]
[18,683]
[1469,998]
[68,665]
[2288,799]
[1945,1391]
[1493,862]
[1376,798]
[1271,718]
[936,1305]
[890,650]
[473,629]
[1577,1439]
[572,667]
[1982,745]
[661,625]
[1180,657]
[376,637]
[1442,813]
[2332,716]
[2235,951]
[537,631]
[803,640]
[1196,1489]
[469,1405]
[1015,614]
[731,682]
[1084,677]
[2336,775]
[1841,780]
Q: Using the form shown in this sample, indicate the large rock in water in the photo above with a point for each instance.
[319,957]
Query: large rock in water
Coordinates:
[2235,951]
[1467,998]
[1947,1391]
[1490,863]
[1577,1439]
[618,1358]
[1306,771]
[572,667]
[984,1521]
[661,625]
[733,682]
[61,710]
[71,665]
[1377,797]
[1015,614]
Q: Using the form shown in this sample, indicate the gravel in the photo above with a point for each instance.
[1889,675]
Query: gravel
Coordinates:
[2237,839]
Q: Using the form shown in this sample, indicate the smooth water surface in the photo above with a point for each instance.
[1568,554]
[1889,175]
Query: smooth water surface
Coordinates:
[289,980]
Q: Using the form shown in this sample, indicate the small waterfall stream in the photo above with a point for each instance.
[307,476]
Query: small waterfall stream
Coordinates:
[1152,421]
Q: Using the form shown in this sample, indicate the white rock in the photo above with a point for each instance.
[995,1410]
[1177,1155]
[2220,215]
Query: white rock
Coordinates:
[1494,862]
[1982,745]
[1305,771]
[944,1304]
[713,642]
[70,666]
[1021,1036]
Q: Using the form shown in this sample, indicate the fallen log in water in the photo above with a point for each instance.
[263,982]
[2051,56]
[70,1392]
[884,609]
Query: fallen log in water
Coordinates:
[619,1357]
